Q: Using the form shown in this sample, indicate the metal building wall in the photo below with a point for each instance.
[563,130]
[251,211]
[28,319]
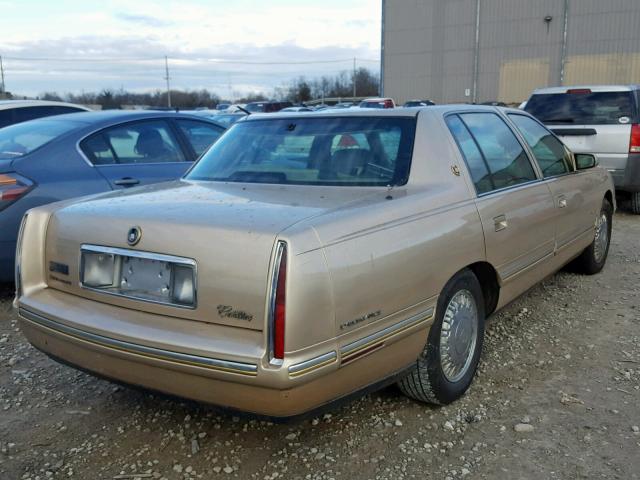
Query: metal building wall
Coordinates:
[430,47]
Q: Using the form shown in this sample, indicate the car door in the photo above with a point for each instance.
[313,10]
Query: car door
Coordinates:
[514,205]
[571,190]
[137,153]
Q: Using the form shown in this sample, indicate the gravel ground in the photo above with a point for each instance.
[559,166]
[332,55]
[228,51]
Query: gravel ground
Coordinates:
[557,396]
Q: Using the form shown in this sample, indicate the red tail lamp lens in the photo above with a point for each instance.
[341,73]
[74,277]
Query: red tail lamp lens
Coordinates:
[634,143]
[280,308]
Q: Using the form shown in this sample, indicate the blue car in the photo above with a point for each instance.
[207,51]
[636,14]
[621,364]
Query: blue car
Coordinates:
[66,156]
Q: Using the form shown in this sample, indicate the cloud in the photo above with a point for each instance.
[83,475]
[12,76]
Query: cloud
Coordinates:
[147,20]
[114,47]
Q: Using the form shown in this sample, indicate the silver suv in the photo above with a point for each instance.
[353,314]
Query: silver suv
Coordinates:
[600,119]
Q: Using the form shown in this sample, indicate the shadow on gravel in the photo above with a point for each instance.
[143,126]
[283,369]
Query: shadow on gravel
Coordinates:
[7,291]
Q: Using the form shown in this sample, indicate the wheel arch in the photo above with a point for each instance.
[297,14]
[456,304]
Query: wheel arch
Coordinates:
[611,198]
[488,278]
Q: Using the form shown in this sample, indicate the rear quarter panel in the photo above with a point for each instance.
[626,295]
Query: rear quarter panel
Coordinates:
[390,258]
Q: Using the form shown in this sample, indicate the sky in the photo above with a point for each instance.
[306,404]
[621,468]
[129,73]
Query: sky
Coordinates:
[88,45]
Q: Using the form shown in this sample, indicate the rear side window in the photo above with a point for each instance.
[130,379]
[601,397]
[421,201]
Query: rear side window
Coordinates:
[589,108]
[138,142]
[504,158]
[201,135]
[551,155]
[23,138]
[472,155]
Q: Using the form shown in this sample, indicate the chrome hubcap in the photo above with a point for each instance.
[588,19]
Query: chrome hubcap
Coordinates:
[458,335]
[602,238]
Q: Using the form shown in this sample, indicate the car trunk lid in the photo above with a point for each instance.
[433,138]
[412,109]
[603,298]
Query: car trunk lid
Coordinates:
[229,230]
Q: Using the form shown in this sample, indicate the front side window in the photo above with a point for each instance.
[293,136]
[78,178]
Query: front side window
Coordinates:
[364,151]
[200,134]
[138,142]
[505,158]
[550,153]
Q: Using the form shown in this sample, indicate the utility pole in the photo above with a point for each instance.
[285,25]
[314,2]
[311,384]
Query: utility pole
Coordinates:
[166,68]
[354,78]
[1,76]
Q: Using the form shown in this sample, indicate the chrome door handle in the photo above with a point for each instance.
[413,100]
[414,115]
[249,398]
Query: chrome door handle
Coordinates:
[562,201]
[500,222]
[127,182]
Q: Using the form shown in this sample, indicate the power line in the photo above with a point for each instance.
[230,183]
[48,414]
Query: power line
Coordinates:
[201,60]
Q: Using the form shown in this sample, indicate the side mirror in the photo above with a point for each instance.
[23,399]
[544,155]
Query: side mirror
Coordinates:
[585,160]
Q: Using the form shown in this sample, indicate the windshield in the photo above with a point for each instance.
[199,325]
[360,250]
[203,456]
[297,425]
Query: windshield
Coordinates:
[364,151]
[594,108]
[23,138]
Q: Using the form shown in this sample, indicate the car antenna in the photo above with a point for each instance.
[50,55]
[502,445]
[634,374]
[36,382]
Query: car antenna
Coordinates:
[243,109]
[389,188]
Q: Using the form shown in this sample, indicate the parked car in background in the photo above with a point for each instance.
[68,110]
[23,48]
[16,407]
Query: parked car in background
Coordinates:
[17,111]
[297,109]
[494,103]
[223,106]
[418,103]
[343,105]
[56,158]
[223,118]
[600,119]
[266,107]
[291,267]
[377,103]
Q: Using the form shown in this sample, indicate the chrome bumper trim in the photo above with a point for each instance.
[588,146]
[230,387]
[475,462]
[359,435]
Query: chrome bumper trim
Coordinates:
[128,347]
[380,336]
[312,364]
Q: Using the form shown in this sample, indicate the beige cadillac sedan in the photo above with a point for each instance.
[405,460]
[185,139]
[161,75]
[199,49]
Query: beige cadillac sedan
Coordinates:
[307,257]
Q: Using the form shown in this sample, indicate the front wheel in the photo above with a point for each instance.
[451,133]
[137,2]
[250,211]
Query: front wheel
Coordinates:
[446,366]
[593,258]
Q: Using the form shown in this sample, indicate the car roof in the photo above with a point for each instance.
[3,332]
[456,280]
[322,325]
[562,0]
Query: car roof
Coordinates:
[6,104]
[115,116]
[593,88]
[441,109]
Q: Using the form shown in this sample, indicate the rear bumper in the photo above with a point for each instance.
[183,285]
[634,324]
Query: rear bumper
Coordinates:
[239,385]
[628,179]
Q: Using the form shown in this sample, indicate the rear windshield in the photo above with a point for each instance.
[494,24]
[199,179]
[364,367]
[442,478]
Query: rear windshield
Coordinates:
[23,138]
[596,108]
[312,151]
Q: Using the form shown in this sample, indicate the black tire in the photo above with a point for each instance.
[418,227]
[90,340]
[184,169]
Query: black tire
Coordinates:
[426,381]
[635,203]
[589,262]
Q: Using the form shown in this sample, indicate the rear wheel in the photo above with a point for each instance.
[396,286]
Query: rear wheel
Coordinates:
[635,203]
[593,258]
[446,366]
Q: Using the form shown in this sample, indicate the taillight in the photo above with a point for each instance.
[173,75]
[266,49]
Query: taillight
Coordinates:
[634,142]
[279,302]
[12,187]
